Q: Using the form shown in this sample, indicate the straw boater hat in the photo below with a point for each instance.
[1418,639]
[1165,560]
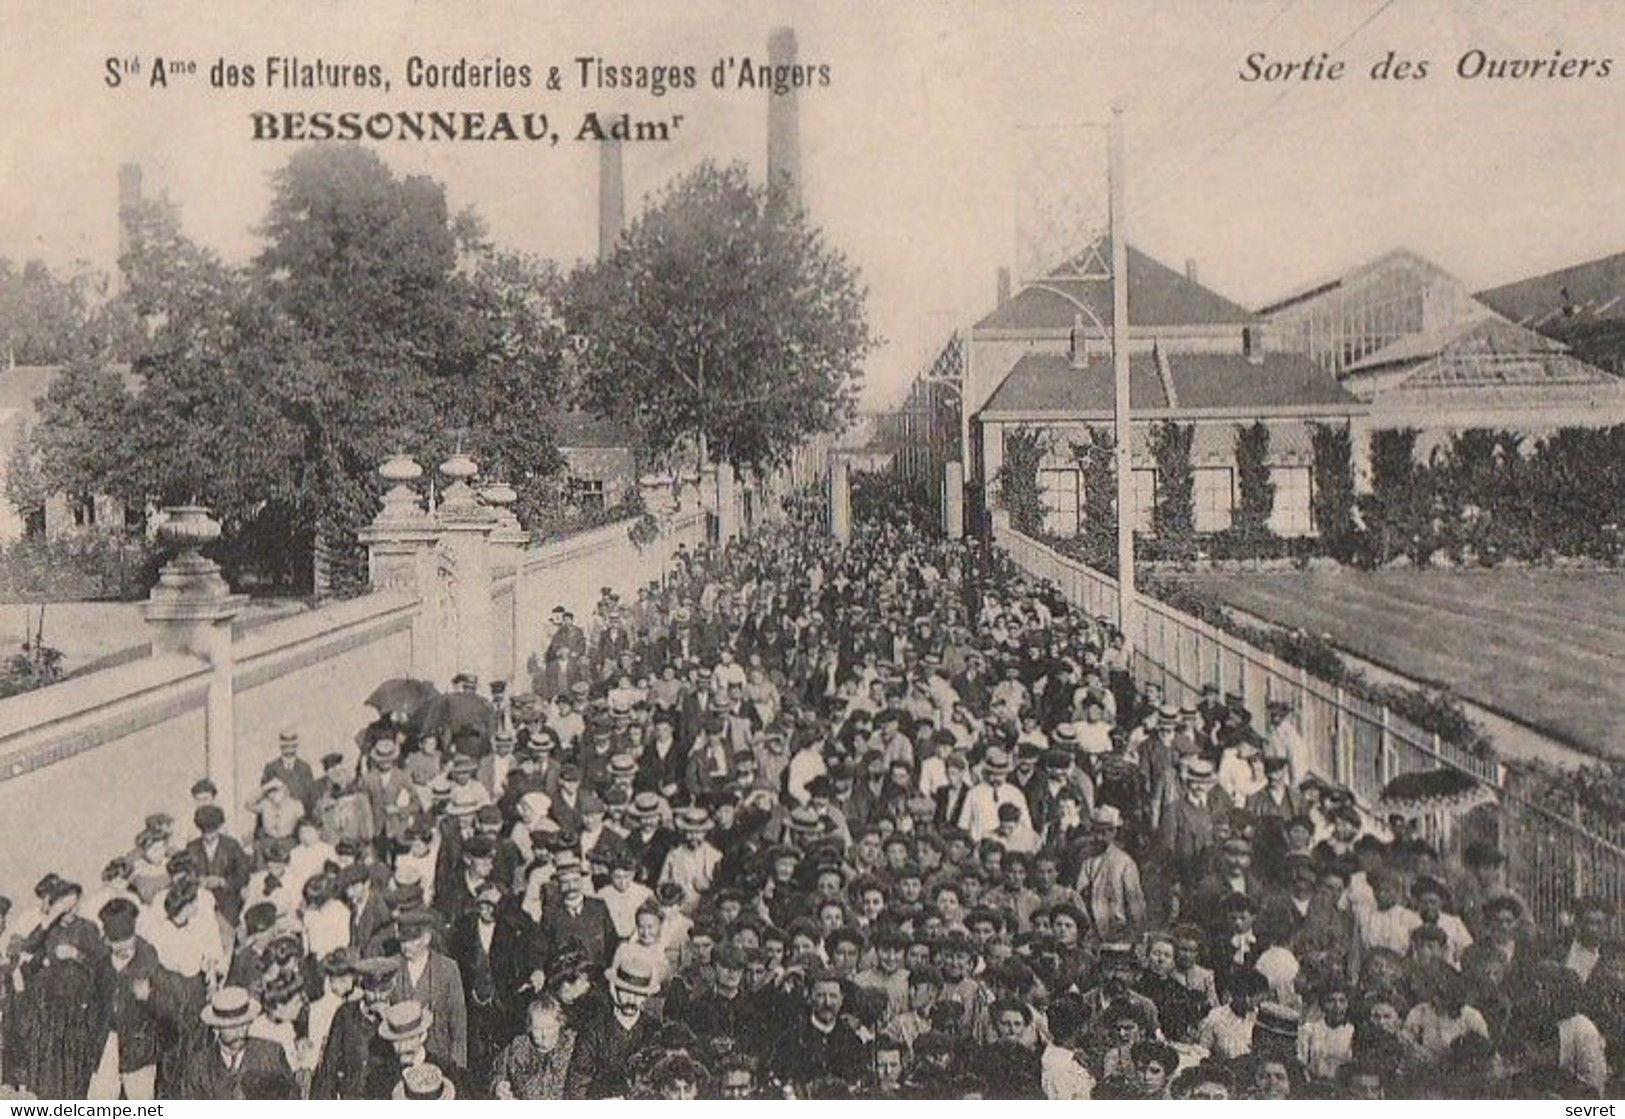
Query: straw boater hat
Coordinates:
[635,975]
[424,1082]
[694,820]
[230,1007]
[646,806]
[405,1020]
[997,760]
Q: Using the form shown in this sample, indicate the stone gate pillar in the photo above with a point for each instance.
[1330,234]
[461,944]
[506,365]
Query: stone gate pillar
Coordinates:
[400,557]
[190,612]
[508,544]
[462,564]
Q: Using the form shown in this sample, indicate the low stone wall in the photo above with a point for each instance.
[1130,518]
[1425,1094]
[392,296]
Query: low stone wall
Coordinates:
[83,762]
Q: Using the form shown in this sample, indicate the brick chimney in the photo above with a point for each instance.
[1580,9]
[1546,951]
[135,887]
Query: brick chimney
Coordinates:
[129,199]
[1190,270]
[611,198]
[783,119]
[1004,286]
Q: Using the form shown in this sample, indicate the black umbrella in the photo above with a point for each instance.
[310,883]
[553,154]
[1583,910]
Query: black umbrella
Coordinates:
[401,694]
[1433,790]
[443,716]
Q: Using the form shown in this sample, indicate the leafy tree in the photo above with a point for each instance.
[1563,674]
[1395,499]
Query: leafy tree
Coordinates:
[1097,474]
[373,321]
[1332,476]
[512,360]
[26,489]
[1015,485]
[362,264]
[1255,488]
[42,315]
[1174,518]
[1398,512]
[722,319]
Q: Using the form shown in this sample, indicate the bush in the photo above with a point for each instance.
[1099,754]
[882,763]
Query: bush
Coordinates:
[1333,478]
[79,566]
[1175,515]
[34,667]
[1015,486]
[1255,488]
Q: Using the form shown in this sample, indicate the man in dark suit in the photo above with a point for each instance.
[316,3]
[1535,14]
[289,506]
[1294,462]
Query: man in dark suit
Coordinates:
[489,1014]
[145,1001]
[227,1064]
[434,981]
[355,1056]
[292,770]
[222,864]
[613,1031]
[571,919]
[819,1043]
[368,911]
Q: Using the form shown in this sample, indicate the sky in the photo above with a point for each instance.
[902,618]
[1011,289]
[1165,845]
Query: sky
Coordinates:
[918,159]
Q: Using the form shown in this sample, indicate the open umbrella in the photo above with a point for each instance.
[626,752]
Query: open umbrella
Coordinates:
[401,694]
[444,716]
[1425,792]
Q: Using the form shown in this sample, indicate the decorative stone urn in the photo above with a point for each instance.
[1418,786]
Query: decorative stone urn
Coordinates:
[401,502]
[499,497]
[185,530]
[459,502]
[191,607]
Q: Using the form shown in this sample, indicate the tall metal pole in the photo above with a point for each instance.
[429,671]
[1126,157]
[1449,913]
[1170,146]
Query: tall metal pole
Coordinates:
[1126,597]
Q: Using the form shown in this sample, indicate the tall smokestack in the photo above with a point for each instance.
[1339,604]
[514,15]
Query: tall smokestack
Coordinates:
[1004,286]
[1190,270]
[783,122]
[611,198]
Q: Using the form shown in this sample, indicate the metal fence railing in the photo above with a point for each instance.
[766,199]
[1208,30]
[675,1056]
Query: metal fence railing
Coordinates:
[1553,859]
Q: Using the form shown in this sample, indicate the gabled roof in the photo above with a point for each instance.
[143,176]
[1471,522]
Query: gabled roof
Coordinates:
[1484,335]
[1488,354]
[1047,383]
[1157,296]
[1306,292]
[1593,290]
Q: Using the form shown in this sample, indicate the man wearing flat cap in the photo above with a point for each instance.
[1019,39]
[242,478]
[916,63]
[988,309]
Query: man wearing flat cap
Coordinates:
[354,1055]
[572,918]
[434,981]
